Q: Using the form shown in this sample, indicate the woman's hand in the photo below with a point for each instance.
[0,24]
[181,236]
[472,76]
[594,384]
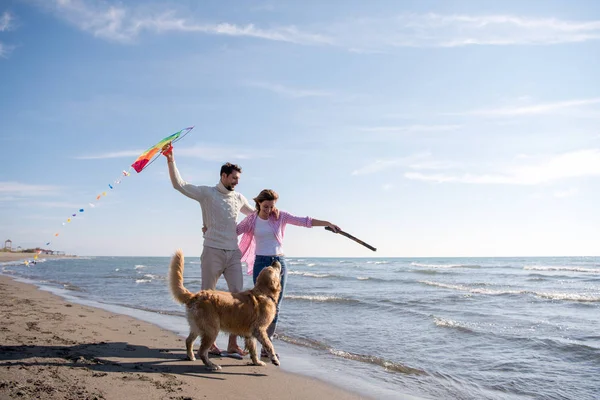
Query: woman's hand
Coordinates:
[275,212]
[334,227]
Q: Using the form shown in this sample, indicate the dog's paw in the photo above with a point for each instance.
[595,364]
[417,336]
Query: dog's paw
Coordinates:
[259,363]
[213,367]
[190,358]
[275,360]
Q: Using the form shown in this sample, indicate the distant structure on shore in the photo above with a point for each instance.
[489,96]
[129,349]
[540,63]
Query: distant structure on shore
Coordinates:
[8,247]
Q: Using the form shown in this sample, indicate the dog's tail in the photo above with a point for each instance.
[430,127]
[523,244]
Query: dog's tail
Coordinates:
[179,292]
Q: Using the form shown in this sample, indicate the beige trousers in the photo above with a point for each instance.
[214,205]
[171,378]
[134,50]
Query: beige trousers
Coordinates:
[217,262]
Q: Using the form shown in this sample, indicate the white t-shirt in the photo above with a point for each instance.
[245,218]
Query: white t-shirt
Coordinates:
[266,243]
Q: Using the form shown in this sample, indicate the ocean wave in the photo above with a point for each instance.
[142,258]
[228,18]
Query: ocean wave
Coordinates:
[429,271]
[73,288]
[470,289]
[157,277]
[537,278]
[448,323]
[318,298]
[585,298]
[153,310]
[370,278]
[139,266]
[143,280]
[311,264]
[335,276]
[11,263]
[312,274]
[304,342]
[388,365]
[573,349]
[416,264]
[578,297]
[382,362]
[562,268]
[65,285]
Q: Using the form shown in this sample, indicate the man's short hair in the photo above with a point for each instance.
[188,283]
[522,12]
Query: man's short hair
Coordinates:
[228,168]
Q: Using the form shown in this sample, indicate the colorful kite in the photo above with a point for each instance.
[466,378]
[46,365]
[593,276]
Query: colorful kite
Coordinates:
[148,157]
[142,162]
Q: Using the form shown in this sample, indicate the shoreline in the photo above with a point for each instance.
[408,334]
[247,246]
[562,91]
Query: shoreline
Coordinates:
[56,348]
[10,256]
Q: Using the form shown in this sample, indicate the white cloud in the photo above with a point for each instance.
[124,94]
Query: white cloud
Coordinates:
[219,153]
[204,152]
[6,21]
[5,50]
[122,24]
[8,188]
[379,165]
[410,128]
[115,154]
[6,24]
[566,193]
[535,109]
[115,21]
[289,92]
[546,170]
[56,204]
[415,161]
[436,30]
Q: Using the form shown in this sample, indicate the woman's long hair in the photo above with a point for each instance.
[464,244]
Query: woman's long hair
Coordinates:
[265,194]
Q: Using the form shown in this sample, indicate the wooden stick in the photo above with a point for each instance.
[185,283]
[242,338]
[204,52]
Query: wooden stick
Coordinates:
[357,240]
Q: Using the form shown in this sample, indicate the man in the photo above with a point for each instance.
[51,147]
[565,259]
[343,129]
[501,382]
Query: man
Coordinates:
[221,206]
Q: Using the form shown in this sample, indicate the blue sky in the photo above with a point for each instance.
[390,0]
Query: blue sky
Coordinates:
[426,128]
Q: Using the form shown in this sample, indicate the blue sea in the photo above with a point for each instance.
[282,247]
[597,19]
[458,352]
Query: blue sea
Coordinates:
[393,328]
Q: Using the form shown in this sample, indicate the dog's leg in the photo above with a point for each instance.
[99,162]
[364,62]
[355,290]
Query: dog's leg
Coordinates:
[208,338]
[189,345]
[251,346]
[263,338]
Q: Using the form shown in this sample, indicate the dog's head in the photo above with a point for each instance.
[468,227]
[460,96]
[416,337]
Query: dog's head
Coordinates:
[268,281]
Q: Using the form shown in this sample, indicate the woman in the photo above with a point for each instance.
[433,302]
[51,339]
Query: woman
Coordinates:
[262,240]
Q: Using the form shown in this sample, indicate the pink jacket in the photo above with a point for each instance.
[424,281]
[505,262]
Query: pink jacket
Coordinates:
[246,227]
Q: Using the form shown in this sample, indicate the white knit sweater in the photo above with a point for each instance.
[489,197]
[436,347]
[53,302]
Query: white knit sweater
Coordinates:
[220,209]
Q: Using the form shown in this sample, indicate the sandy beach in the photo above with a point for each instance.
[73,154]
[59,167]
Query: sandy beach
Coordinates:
[51,348]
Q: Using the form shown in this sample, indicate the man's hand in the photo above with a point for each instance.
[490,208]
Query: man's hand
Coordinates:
[167,151]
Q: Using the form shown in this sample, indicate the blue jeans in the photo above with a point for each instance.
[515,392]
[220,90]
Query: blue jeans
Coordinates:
[261,262]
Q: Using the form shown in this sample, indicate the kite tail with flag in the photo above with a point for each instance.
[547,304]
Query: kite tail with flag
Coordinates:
[141,163]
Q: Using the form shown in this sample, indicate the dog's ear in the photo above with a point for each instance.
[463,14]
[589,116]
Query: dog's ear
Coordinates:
[276,264]
[274,284]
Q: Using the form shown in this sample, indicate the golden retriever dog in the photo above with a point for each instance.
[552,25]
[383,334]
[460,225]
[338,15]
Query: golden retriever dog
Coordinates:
[246,314]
